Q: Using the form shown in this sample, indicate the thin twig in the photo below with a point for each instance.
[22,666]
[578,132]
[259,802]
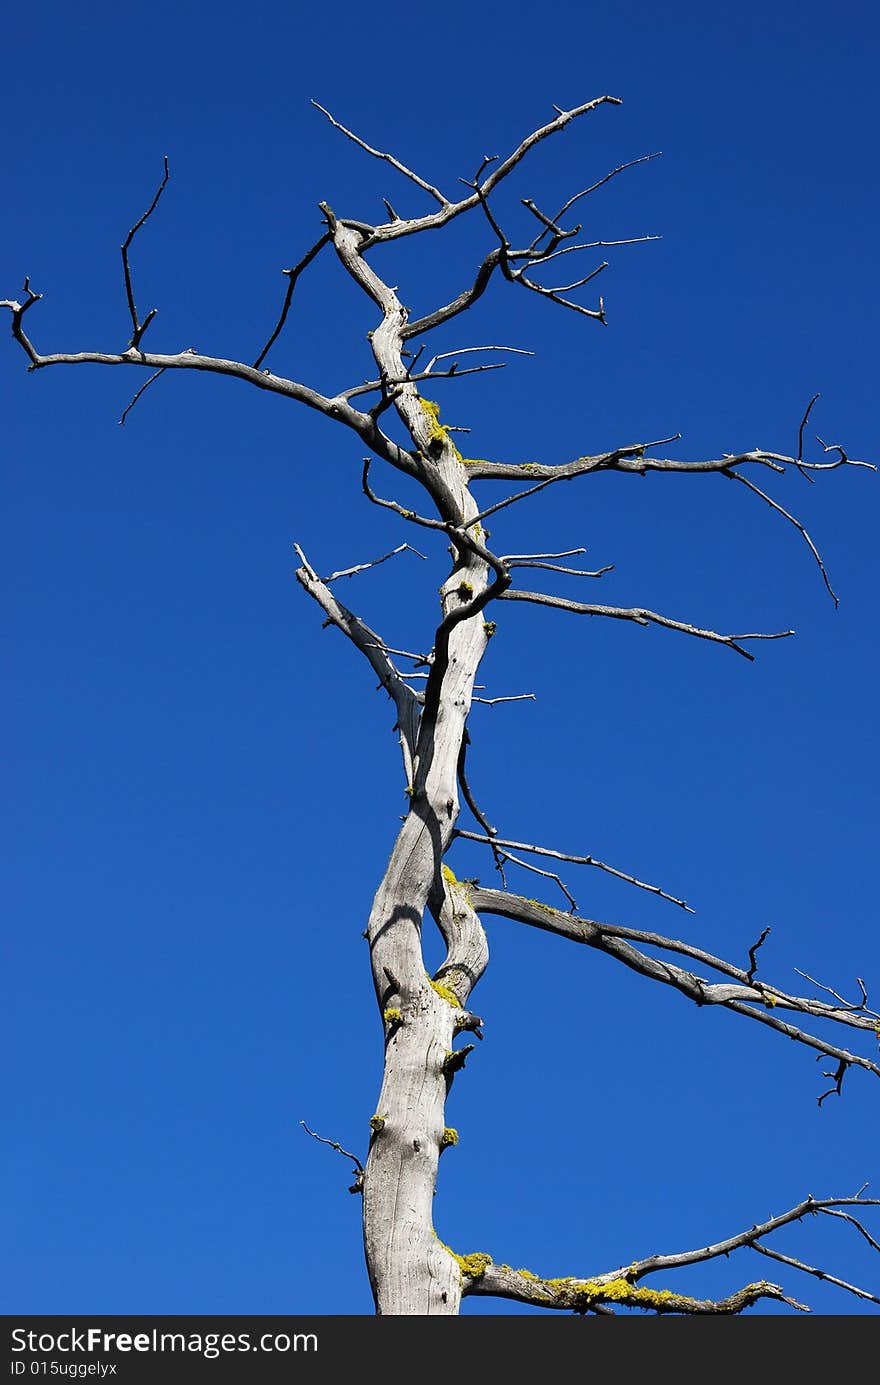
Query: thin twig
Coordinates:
[369,386]
[145,386]
[854,1221]
[538,257]
[411,515]
[753,955]
[493,701]
[571,571]
[598,314]
[800,450]
[512,499]
[774,505]
[837,1079]
[334,1144]
[859,1006]
[512,558]
[140,327]
[467,792]
[403,653]
[579,283]
[621,168]
[449,210]
[815,1271]
[536,870]
[386,158]
[467,350]
[358,1170]
[363,567]
[292,276]
[580,861]
[748,1239]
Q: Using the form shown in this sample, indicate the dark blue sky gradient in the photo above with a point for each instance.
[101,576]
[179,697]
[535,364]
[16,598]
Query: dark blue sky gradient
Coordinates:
[202,785]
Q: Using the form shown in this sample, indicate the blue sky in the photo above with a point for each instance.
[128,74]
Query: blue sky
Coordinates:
[202,785]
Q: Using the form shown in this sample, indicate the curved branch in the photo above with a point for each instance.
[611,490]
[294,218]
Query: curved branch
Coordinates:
[621,1286]
[292,276]
[774,505]
[465,300]
[594,187]
[195,360]
[18,311]
[358,1168]
[640,616]
[754,1000]
[434,220]
[336,408]
[754,1234]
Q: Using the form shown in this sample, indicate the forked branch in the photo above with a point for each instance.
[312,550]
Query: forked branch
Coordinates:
[750,998]
[497,841]
[374,650]
[620,1288]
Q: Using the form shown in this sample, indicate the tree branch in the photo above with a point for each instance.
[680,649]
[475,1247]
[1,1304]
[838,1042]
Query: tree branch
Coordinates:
[370,386]
[446,213]
[597,1295]
[571,571]
[814,1270]
[336,408]
[517,697]
[459,304]
[640,616]
[18,311]
[364,567]
[754,1000]
[632,459]
[138,327]
[620,1286]
[374,650]
[137,394]
[358,1169]
[751,1237]
[576,861]
[386,158]
[292,276]
[542,257]
[594,187]
[774,505]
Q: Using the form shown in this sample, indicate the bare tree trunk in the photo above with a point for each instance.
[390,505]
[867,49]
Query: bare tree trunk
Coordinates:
[410,1270]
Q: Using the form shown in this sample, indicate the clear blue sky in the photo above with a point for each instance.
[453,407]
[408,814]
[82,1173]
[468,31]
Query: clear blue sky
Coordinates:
[202,786]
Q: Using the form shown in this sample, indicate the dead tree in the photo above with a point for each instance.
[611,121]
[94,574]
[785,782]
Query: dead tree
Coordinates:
[411,1270]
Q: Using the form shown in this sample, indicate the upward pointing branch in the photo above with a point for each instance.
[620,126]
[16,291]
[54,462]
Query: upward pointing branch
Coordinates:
[140,327]
[386,158]
[393,230]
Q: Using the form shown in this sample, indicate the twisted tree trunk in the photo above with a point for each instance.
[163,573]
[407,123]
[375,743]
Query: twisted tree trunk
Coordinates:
[410,1270]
